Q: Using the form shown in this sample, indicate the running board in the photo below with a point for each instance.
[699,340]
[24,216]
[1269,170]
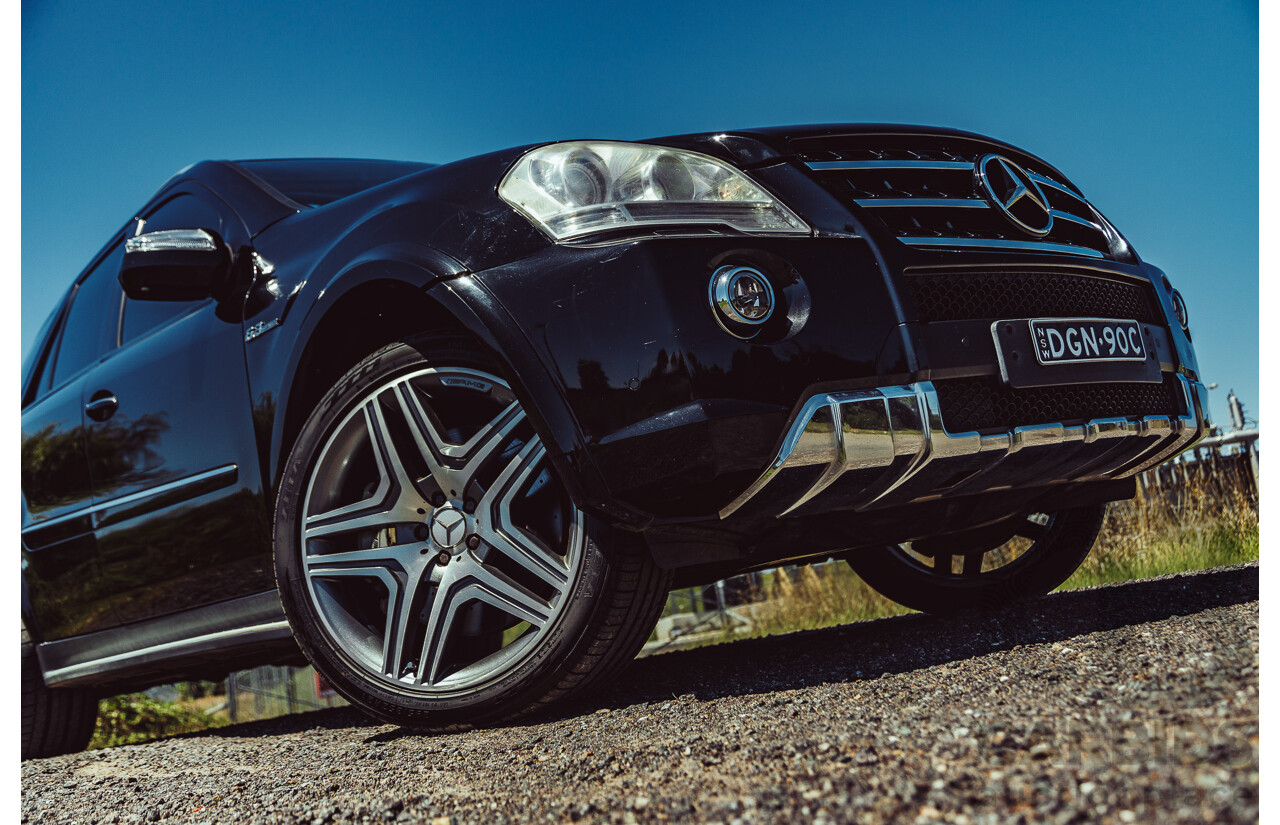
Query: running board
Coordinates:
[203,636]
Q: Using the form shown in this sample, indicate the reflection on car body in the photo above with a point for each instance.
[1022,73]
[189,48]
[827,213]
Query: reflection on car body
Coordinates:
[452,432]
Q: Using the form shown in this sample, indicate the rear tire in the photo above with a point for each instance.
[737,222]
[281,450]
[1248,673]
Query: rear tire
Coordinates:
[430,564]
[1058,546]
[54,720]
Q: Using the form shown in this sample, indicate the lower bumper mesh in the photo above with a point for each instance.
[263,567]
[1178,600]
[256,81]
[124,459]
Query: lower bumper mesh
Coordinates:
[958,296]
[980,404]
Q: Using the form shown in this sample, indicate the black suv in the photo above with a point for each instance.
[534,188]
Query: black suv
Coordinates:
[454,431]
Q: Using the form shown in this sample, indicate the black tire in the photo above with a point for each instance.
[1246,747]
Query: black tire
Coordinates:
[605,608]
[54,720]
[1052,557]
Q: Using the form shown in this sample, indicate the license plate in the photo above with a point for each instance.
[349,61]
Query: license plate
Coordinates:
[1080,340]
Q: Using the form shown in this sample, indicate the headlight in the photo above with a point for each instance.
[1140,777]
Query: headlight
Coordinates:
[584,187]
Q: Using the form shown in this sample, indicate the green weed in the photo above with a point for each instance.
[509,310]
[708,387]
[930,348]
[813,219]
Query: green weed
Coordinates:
[136,717]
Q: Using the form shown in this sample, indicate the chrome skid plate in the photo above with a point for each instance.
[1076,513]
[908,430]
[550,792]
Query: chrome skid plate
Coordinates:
[891,447]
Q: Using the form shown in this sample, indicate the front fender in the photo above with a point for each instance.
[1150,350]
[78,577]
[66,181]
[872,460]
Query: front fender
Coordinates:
[542,396]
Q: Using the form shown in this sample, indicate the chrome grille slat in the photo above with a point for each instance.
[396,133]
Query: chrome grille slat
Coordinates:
[1067,216]
[999,243]
[844,165]
[950,203]
[1064,189]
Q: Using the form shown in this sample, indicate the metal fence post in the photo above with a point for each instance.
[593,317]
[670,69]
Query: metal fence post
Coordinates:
[233,703]
[290,690]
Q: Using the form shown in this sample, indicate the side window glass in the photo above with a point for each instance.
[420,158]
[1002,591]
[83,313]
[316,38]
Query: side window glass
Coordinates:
[91,325]
[181,212]
[37,364]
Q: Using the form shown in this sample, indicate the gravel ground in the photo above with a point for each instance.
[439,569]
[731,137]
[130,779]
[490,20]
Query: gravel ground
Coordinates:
[1126,703]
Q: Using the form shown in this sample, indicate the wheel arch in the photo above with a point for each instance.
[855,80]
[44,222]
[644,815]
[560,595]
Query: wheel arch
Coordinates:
[377,299]
[402,290]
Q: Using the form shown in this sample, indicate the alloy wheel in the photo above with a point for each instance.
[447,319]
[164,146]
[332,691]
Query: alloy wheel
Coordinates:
[437,548]
[968,564]
[990,567]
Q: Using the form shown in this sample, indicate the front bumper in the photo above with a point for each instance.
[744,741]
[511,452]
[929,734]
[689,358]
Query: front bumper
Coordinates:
[665,418]
[890,446]
[668,419]
[883,411]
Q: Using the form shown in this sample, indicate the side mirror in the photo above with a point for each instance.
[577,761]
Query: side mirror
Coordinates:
[174,265]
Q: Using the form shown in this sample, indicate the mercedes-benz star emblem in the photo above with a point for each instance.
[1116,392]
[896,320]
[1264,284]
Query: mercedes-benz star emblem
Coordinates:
[448,526]
[1015,193]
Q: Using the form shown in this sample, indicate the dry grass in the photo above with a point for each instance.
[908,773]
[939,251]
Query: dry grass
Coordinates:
[1152,535]
[815,596]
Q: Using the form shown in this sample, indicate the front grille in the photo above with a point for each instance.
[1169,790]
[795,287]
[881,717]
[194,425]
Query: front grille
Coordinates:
[978,404]
[959,296]
[923,190]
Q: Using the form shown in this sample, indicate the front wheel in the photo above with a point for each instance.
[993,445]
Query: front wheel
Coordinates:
[993,567]
[431,565]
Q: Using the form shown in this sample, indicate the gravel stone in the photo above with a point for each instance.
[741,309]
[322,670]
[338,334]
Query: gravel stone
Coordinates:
[1129,703]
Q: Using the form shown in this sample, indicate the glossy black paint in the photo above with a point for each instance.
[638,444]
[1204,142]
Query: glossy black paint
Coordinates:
[628,334]
[62,595]
[152,543]
[654,416]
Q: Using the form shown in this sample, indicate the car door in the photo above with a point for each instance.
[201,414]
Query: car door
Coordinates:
[64,594]
[180,520]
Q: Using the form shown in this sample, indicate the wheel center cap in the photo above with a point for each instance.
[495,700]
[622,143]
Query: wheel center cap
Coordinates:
[448,526]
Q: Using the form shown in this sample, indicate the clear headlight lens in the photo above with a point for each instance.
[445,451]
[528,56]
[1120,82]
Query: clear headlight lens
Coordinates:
[583,187]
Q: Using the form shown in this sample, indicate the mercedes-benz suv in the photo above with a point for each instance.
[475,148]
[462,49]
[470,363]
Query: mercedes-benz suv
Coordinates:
[453,432]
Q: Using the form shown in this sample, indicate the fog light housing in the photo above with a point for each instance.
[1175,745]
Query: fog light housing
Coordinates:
[742,299]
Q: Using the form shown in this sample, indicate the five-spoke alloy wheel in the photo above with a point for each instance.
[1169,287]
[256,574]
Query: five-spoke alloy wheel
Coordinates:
[430,563]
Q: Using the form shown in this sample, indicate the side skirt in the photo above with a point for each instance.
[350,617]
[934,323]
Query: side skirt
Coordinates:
[205,641]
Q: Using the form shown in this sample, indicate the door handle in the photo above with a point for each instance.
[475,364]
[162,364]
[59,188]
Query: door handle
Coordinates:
[102,406]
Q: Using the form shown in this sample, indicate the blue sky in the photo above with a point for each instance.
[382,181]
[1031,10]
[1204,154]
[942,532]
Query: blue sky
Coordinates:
[1150,108]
